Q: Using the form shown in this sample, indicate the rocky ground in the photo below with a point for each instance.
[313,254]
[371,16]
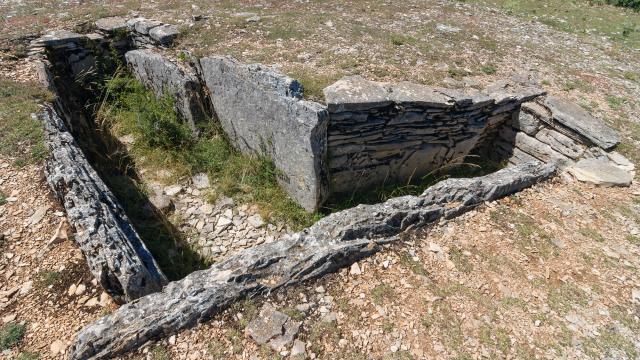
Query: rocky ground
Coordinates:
[549,273]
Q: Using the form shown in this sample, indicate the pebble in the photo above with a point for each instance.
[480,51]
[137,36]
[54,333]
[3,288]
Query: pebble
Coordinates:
[355,269]
[57,347]
[80,289]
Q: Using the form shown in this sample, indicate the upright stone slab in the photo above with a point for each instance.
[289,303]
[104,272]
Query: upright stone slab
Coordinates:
[262,112]
[167,78]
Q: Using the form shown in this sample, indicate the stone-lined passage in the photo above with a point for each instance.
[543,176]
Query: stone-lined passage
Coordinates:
[333,242]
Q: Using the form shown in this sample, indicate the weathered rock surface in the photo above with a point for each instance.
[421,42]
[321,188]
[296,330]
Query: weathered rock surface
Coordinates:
[333,242]
[384,133]
[164,77]
[117,257]
[551,129]
[262,113]
[164,34]
[111,24]
[581,122]
[600,172]
[273,327]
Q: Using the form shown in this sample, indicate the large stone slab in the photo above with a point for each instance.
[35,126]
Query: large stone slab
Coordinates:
[116,255]
[581,122]
[167,78]
[262,114]
[332,243]
[600,172]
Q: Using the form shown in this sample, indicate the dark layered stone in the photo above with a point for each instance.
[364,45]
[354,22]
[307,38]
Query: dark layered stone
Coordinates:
[116,255]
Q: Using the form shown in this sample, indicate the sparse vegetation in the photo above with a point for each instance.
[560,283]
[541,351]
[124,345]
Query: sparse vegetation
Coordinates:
[382,292]
[3,198]
[160,353]
[21,136]
[11,334]
[47,278]
[416,267]
[164,142]
[592,234]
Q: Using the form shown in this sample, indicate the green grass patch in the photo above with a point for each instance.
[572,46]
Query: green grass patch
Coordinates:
[162,141]
[416,267]
[382,292]
[47,278]
[591,234]
[633,239]
[21,136]
[564,297]
[160,353]
[462,261]
[579,16]
[28,356]
[615,102]
[3,198]
[489,69]
[11,334]
[312,81]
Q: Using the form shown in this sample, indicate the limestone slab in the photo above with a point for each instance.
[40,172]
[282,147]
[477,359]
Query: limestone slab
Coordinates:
[262,114]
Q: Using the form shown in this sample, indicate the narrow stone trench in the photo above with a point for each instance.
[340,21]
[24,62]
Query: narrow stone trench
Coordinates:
[367,134]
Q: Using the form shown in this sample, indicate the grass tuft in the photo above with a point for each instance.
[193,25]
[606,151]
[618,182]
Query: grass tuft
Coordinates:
[11,334]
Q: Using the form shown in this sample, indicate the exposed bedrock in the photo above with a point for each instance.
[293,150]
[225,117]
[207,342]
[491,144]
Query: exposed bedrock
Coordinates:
[117,257]
[164,77]
[333,242]
[262,113]
[384,133]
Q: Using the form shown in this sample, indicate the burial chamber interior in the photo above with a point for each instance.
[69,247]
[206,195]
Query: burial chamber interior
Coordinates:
[367,138]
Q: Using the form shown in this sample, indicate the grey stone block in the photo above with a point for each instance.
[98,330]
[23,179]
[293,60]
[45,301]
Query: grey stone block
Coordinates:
[527,123]
[383,133]
[561,143]
[262,114]
[164,34]
[111,24]
[164,77]
[354,93]
[540,150]
[601,172]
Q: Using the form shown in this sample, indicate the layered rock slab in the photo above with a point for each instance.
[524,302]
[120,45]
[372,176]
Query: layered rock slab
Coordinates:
[382,133]
[166,78]
[554,130]
[333,242]
[263,113]
[116,255]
